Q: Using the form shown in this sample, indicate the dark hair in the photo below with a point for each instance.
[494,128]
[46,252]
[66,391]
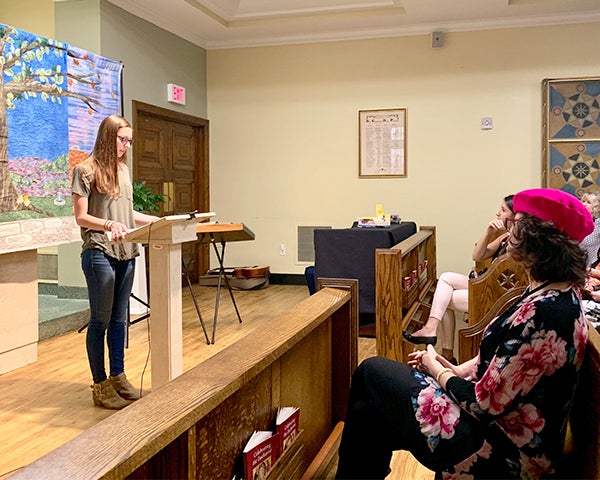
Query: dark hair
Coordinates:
[546,253]
[509,202]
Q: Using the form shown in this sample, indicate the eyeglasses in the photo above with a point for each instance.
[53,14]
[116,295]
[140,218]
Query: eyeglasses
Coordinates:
[125,141]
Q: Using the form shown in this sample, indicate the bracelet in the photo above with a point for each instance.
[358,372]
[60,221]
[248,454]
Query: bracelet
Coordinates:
[442,372]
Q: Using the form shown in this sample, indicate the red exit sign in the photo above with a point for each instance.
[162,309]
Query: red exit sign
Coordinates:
[175,94]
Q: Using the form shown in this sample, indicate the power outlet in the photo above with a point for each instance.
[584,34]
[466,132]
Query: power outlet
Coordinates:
[282,249]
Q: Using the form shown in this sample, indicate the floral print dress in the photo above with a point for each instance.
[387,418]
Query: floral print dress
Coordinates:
[513,410]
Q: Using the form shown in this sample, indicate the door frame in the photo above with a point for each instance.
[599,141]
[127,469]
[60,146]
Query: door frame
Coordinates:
[201,163]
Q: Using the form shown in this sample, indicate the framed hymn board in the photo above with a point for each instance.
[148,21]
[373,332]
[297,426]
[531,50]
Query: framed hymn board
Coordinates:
[382,143]
[571,134]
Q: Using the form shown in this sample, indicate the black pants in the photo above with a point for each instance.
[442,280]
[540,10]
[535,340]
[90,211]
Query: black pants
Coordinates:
[381,419]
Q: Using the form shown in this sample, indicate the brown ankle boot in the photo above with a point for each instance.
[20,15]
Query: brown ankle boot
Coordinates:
[106,396]
[123,387]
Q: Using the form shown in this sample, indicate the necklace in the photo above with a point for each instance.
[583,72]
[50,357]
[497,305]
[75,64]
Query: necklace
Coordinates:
[528,292]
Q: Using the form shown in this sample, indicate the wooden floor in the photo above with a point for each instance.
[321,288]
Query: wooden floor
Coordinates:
[45,404]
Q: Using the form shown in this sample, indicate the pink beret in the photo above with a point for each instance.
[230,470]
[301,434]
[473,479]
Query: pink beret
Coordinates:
[564,210]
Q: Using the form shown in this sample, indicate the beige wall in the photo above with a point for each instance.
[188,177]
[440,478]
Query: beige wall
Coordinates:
[284,134]
[152,58]
[78,23]
[39,18]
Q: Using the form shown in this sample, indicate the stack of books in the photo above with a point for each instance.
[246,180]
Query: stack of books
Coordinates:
[371,222]
[264,446]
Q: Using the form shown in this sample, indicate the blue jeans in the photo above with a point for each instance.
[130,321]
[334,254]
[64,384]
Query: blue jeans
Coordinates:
[109,283]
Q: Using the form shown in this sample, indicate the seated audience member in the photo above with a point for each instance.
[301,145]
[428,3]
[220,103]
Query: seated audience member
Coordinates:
[591,243]
[502,414]
[451,292]
[591,293]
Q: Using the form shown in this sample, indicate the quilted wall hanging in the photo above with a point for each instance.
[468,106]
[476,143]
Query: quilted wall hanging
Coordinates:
[571,144]
[53,97]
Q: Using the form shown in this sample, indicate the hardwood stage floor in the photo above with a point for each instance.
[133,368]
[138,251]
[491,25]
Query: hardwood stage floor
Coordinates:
[45,404]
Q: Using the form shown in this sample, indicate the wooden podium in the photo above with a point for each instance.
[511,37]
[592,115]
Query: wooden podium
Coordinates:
[164,238]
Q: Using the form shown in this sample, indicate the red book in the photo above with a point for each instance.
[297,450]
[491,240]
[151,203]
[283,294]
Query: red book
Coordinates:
[288,426]
[260,454]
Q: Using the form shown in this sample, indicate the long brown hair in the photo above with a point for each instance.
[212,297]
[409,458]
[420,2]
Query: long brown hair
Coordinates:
[104,159]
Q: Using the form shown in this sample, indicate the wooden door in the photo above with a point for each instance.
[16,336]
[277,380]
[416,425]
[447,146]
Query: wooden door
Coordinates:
[170,154]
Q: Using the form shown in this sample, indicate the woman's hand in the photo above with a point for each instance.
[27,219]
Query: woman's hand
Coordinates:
[143,218]
[414,359]
[428,361]
[117,231]
[484,249]
[594,273]
[496,224]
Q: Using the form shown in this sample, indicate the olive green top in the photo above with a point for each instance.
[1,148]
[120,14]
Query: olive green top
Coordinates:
[104,206]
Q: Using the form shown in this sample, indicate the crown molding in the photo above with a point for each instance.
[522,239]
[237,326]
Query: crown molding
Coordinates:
[404,31]
[173,24]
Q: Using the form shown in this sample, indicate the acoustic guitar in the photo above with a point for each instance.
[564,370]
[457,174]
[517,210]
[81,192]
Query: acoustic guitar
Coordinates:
[256,271]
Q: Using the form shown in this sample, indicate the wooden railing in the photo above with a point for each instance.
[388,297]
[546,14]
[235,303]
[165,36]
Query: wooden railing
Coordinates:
[196,425]
[582,452]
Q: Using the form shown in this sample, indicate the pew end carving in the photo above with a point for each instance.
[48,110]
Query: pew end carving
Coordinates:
[503,276]
[470,337]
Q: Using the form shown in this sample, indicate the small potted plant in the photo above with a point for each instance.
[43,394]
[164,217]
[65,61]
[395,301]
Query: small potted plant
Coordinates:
[145,200]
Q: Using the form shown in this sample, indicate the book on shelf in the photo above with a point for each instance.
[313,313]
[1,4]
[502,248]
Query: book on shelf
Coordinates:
[260,454]
[288,426]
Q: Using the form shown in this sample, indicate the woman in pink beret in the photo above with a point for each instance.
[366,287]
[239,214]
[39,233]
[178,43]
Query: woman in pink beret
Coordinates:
[502,414]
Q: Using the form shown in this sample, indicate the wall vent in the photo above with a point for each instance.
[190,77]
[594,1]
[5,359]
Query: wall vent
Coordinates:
[306,244]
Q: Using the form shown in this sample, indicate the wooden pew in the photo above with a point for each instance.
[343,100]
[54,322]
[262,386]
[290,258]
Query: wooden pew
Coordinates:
[396,307]
[582,449]
[501,277]
[196,425]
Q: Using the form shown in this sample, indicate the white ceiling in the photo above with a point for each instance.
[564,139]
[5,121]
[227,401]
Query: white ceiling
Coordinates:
[215,24]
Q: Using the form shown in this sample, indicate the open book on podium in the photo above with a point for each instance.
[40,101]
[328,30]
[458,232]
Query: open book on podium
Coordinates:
[169,229]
